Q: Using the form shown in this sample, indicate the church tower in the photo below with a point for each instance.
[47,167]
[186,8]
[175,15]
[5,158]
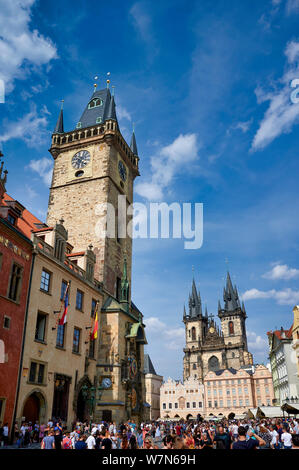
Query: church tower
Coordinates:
[94,172]
[233,317]
[93,165]
[196,325]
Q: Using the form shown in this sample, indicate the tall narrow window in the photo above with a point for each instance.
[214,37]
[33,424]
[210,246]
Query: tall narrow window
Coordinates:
[79,300]
[45,281]
[76,340]
[193,333]
[40,328]
[60,336]
[15,283]
[32,372]
[231,328]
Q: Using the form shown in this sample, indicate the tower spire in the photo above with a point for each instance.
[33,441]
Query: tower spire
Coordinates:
[59,125]
[133,145]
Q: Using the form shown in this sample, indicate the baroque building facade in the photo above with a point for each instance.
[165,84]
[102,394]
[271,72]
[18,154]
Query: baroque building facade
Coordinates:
[209,347]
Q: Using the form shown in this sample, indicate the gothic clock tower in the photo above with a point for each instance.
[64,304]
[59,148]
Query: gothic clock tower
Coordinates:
[93,166]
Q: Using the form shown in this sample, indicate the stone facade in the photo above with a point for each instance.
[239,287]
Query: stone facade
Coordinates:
[58,361]
[209,347]
[181,399]
[153,383]
[83,194]
[235,391]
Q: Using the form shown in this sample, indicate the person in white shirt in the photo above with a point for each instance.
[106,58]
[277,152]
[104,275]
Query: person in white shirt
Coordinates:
[91,442]
[286,439]
[275,437]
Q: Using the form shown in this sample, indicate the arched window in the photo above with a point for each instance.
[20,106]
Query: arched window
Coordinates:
[213,363]
[95,103]
[231,328]
[193,333]
[194,366]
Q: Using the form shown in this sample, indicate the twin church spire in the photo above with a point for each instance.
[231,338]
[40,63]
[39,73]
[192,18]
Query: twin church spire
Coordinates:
[230,297]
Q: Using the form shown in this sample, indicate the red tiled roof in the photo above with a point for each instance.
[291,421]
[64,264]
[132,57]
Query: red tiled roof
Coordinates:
[25,223]
[42,229]
[277,333]
[80,253]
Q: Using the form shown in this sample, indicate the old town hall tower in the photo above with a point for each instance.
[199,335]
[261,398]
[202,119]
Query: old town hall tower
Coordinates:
[93,166]
[209,347]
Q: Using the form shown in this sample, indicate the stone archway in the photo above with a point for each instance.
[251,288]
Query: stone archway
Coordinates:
[35,407]
[80,405]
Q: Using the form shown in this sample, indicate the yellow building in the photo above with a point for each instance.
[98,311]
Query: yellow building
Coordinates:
[295,335]
[59,361]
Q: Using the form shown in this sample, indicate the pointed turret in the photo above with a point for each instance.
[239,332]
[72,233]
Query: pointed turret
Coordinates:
[219,306]
[111,113]
[124,290]
[195,308]
[133,145]
[59,129]
[230,296]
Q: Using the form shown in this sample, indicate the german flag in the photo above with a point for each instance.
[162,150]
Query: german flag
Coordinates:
[94,333]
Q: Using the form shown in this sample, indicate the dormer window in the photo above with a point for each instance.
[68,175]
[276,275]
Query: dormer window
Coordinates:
[79,125]
[11,219]
[95,103]
[98,120]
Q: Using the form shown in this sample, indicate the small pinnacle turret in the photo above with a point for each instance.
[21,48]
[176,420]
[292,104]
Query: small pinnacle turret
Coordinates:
[59,129]
[133,145]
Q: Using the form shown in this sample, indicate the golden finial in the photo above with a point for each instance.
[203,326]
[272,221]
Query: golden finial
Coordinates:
[95,84]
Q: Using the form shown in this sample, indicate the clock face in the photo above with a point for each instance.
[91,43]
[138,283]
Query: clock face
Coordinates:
[106,383]
[80,159]
[212,329]
[122,170]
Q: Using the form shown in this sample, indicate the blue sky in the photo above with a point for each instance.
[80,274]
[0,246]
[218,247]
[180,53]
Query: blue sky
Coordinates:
[208,84]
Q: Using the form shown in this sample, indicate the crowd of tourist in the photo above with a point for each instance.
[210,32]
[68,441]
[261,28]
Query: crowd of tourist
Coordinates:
[234,434]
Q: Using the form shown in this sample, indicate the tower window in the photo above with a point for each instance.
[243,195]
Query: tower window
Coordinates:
[193,333]
[95,103]
[98,120]
[79,125]
[231,328]
[15,283]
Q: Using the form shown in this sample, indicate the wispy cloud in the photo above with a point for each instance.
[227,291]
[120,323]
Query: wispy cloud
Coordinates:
[21,48]
[292,6]
[31,128]
[143,24]
[171,338]
[43,167]
[281,271]
[281,114]
[166,163]
[257,345]
[283,297]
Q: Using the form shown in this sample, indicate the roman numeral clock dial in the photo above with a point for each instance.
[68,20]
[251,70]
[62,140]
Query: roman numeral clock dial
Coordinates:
[80,159]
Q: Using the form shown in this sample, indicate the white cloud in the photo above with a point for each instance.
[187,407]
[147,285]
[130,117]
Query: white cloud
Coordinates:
[283,297]
[281,114]
[143,24]
[31,128]
[258,346]
[123,113]
[171,338]
[21,49]
[43,167]
[281,271]
[292,6]
[166,163]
